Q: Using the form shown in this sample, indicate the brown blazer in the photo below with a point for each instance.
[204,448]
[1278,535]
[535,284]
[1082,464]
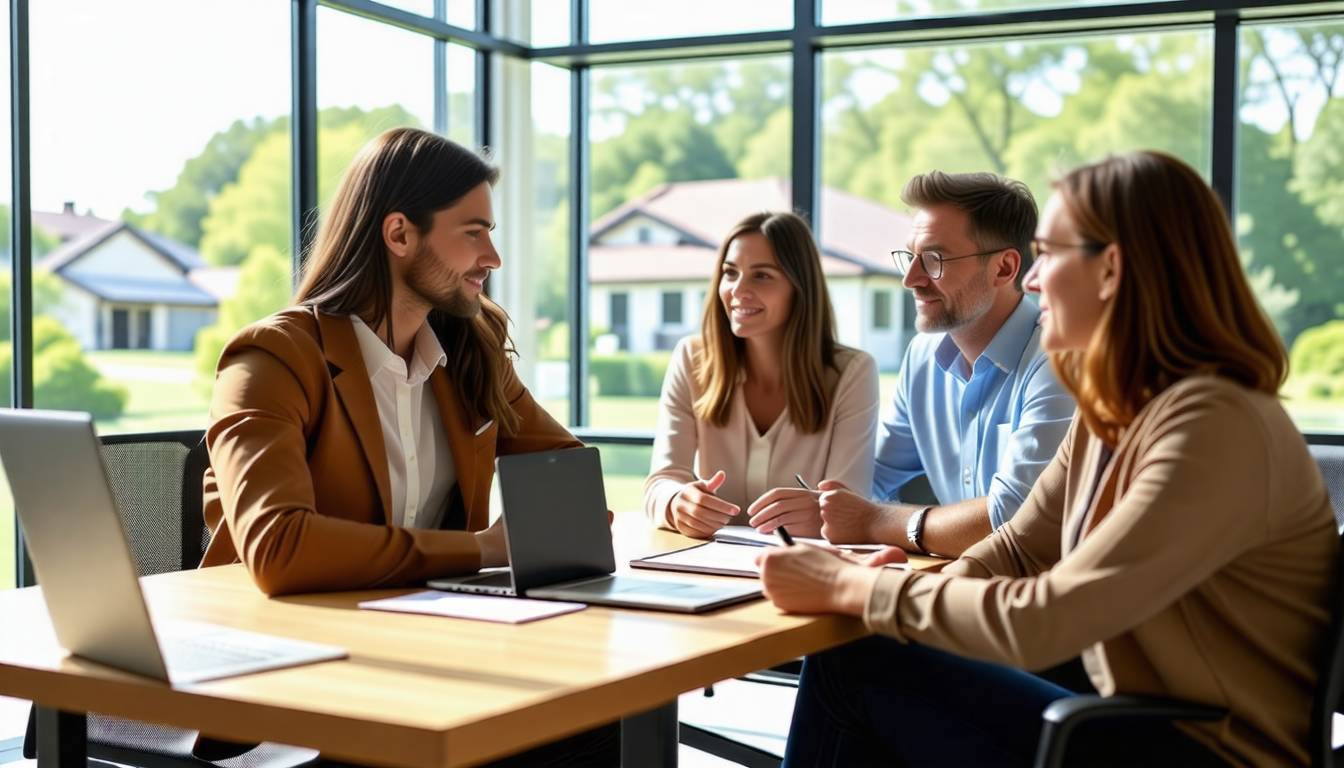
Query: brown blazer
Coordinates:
[298,486]
[1200,568]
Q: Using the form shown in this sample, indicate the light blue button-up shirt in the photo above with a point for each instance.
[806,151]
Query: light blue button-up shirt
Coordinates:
[984,430]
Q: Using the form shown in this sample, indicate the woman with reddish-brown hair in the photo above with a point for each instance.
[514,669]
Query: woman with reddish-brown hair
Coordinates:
[1182,540]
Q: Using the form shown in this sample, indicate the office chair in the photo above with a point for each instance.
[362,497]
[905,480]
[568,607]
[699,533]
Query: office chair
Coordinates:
[156,479]
[1061,717]
[917,491]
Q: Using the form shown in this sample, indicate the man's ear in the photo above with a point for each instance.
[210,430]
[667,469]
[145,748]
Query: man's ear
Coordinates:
[1008,267]
[398,234]
[1112,269]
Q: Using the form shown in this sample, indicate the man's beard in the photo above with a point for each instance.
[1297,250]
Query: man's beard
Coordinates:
[440,287]
[960,309]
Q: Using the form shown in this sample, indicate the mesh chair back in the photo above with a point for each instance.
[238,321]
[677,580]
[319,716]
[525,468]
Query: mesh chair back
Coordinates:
[1330,687]
[1330,460]
[156,479]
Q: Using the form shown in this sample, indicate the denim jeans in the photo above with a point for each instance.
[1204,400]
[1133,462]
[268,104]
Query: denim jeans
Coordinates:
[879,702]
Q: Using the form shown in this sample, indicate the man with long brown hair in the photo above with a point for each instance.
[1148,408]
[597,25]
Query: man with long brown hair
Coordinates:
[977,408]
[352,437]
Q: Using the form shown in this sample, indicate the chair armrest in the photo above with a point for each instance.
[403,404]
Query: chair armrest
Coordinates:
[1062,716]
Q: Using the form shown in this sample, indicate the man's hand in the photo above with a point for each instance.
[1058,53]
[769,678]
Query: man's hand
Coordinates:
[796,509]
[807,579]
[847,517]
[697,512]
[491,541]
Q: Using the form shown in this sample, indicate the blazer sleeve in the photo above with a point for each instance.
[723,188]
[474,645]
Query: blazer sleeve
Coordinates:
[1207,460]
[270,392]
[675,442]
[854,412]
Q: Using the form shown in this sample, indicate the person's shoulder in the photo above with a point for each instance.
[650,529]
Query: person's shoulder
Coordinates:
[298,325]
[1218,403]
[688,350]
[850,360]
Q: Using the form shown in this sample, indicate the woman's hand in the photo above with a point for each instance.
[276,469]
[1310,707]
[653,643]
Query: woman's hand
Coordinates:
[797,509]
[491,541]
[807,579]
[697,512]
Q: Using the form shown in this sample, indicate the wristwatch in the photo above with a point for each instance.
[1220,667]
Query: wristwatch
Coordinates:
[914,529]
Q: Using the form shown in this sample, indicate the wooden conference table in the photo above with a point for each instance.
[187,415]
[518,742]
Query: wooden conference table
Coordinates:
[416,691]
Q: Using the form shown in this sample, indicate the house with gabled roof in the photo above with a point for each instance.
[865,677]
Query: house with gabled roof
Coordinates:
[124,287]
[651,259]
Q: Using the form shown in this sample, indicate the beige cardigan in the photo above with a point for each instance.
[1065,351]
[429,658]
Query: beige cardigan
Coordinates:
[685,447]
[1203,571]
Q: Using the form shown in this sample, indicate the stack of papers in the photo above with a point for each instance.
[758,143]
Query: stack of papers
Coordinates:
[508,610]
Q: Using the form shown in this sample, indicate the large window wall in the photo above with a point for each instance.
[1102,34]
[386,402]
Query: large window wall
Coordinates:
[632,137]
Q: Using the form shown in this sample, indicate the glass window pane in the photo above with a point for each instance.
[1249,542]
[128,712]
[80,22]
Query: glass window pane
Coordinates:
[550,238]
[155,178]
[462,13]
[611,21]
[1024,109]
[680,153]
[624,469]
[370,77]
[421,7]
[550,24]
[461,96]
[1290,218]
[835,12]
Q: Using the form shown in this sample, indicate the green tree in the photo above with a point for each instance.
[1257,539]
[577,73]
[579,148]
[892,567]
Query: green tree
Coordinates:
[179,210]
[254,209]
[656,146]
[264,287]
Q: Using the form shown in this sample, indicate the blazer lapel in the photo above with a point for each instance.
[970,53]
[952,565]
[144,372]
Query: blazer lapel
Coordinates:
[355,393]
[461,438]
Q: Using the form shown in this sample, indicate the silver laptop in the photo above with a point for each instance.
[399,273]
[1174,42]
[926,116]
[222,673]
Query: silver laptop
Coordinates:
[559,543]
[88,575]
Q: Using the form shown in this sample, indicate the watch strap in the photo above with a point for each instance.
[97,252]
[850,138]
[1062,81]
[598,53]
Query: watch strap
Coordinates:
[914,529]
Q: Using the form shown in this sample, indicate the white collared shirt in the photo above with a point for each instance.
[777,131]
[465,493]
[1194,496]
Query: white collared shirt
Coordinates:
[419,461]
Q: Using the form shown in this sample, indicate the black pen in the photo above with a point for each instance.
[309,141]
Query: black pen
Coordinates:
[783,534]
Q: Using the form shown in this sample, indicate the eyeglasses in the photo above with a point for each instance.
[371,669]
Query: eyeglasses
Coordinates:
[931,262]
[1041,247]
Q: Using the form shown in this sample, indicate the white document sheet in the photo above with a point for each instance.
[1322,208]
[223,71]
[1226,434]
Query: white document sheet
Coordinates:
[507,610]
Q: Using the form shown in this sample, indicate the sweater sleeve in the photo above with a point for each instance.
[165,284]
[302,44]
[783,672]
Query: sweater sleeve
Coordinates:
[1203,458]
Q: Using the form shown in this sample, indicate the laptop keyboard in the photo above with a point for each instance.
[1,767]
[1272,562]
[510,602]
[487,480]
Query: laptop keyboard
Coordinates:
[185,655]
[198,651]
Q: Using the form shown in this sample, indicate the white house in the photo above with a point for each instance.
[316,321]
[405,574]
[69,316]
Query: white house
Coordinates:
[125,288]
[650,262]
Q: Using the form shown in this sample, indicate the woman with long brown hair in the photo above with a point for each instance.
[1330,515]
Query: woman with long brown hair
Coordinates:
[764,395]
[1182,539]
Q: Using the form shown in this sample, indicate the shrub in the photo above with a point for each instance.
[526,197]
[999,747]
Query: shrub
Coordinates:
[62,378]
[627,375]
[1317,361]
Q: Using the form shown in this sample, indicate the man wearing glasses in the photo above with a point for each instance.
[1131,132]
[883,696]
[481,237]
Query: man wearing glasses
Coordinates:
[977,407]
